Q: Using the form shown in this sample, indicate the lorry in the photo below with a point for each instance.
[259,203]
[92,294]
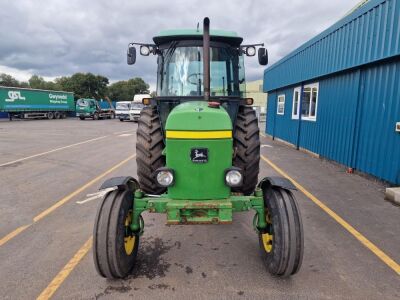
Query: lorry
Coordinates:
[91,108]
[26,103]
[197,156]
[130,110]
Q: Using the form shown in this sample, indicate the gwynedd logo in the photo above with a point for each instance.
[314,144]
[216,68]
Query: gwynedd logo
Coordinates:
[14,95]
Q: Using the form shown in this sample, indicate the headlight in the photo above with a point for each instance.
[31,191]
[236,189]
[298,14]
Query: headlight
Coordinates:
[251,51]
[233,177]
[144,50]
[164,177]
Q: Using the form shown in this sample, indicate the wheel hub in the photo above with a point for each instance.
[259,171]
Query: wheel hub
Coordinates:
[129,238]
[267,241]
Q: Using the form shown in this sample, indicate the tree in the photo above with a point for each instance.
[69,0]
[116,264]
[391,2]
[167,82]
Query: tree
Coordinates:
[38,82]
[8,80]
[125,90]
[84,85]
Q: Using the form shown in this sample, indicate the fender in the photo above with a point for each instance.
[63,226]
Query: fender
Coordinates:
[276,181]
[122,183]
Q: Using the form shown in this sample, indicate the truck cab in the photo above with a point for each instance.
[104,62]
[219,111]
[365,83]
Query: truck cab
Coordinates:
[90,108]
[130,110]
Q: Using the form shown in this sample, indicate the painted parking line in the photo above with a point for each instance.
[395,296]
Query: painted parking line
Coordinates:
[61,202]
[362,239]
[125,131]
[64,273]
[52,151]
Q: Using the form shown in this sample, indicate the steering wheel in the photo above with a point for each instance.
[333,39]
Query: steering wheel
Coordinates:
[194,78]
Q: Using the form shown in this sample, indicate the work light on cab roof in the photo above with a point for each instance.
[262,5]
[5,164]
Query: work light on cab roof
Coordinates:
[197,155]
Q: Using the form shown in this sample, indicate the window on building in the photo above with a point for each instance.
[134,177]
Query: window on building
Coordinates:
[310,102]
[280,109]
[296,103]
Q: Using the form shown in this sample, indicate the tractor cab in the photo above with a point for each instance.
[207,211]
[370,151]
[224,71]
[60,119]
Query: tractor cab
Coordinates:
[181,60]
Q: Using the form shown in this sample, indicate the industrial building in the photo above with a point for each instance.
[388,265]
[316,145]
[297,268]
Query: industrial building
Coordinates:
[338,95]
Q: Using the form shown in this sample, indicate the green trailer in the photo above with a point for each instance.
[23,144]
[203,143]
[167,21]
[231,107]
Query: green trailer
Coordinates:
[33,103]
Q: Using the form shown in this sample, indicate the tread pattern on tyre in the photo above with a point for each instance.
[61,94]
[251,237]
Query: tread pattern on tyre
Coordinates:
[287,251]
[246,143]
[149,147]
[108,237]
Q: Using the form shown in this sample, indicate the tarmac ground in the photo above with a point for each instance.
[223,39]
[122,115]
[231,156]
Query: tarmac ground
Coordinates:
[48,167]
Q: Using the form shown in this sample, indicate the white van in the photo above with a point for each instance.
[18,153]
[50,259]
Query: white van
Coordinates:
[130,110]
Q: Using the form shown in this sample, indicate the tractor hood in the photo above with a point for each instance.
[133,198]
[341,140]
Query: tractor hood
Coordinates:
[199,151]
[198,116]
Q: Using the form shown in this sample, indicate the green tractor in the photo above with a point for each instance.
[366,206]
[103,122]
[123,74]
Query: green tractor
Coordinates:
[198,153]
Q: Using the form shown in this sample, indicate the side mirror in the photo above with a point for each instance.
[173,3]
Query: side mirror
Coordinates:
[262,56]
[131,55]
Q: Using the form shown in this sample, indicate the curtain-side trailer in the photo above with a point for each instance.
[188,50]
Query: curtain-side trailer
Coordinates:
[27,103]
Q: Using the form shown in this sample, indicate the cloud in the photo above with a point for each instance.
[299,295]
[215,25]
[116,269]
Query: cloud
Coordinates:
[54,38]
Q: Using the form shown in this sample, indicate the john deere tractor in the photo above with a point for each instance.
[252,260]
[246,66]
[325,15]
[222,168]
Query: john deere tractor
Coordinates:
[198,153]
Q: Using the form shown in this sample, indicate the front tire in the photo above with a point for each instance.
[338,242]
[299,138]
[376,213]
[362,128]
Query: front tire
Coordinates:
[281,243]
[246,143]
[149,147]
[115,246]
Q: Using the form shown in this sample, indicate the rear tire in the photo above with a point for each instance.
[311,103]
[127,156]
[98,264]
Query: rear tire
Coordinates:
[50,115]
[115,246]
[281,243]
[95,116]
[149,147]
[82,118]
[121,120]
[246,143]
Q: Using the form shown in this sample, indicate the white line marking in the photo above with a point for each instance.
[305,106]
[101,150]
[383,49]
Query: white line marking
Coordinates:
[125,131]
[51,151]
[269,146]
[125,134]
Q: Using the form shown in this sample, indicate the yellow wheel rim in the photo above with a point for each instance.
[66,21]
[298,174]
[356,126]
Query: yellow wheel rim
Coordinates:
[267,241]
[130,238]
[267,237]
[129,244]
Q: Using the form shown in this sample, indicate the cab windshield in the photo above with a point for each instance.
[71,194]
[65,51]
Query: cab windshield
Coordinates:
[82,103]
[181,72]
[137,106]
[123,106]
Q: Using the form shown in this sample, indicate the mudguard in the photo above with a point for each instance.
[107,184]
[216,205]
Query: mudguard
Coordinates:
[276,181]
[122,183]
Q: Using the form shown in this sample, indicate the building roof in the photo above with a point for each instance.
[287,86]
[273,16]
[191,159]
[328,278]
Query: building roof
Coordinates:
[165,36]
[368,34]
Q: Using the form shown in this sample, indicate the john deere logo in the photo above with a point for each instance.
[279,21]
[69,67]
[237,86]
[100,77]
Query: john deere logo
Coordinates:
[199,155]
[14,95]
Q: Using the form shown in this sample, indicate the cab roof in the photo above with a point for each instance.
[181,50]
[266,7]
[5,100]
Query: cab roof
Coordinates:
[229,37]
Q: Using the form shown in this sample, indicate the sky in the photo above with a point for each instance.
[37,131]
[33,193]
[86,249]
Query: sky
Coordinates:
[54,38]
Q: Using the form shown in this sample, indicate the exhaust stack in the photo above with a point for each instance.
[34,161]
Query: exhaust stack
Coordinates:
[206,58]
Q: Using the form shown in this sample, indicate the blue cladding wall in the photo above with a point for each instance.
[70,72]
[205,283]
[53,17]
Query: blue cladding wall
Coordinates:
[332,134]
[369,34]
[356,116]
[282,126]
[357,65]
[378,150]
